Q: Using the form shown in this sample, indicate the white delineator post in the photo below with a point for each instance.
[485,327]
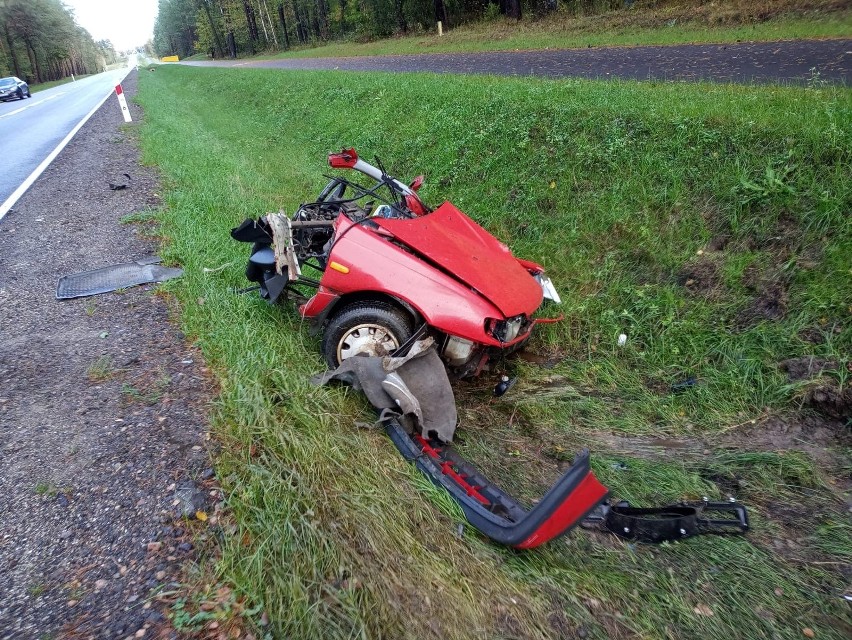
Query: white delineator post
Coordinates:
[122,101]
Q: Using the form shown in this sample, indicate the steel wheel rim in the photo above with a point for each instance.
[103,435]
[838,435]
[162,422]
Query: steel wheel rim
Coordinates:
[367,338]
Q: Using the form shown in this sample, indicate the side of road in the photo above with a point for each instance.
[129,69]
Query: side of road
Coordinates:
[103,459]
[795,61]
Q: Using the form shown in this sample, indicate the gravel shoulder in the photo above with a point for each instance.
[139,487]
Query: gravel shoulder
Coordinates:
[795,61]
[102,406]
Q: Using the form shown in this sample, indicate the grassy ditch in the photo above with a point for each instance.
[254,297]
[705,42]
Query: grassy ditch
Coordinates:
[708,223]
[659,24]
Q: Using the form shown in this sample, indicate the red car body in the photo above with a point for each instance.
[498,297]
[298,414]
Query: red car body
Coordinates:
[444,265]
[434,267]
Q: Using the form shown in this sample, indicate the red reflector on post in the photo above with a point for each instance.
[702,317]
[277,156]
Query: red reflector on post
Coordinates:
[118,89]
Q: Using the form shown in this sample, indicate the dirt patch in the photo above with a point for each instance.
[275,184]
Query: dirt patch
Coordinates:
[806,367]
[822,439]
[831,401]
[771,298]
[823,395]
[102,405]
[702,276]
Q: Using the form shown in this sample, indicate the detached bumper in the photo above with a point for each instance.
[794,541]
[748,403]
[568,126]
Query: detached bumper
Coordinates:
[492,511]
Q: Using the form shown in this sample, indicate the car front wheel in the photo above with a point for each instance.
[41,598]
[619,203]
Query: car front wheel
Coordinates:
[367,328]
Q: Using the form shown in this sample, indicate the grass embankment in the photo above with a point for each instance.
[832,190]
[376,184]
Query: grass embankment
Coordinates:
[663,24]
[710,224]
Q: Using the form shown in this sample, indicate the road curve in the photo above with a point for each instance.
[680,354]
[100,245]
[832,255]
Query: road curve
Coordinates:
[794,61]
[31,129]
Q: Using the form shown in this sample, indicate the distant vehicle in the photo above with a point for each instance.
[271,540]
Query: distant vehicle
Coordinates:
[13,87]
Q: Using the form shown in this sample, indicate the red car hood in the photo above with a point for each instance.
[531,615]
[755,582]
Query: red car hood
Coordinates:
[448,238]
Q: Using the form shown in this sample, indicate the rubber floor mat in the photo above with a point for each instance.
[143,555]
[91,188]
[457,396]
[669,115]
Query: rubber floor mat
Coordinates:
[119,276]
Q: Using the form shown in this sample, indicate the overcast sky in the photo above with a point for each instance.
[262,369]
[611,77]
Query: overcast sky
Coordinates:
[127,23]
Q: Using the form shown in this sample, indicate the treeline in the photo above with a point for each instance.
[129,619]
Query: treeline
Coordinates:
[228,28]
[41,41]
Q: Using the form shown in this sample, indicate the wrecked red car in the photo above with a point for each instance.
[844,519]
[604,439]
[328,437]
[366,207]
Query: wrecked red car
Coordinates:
[373,267]
[381,273]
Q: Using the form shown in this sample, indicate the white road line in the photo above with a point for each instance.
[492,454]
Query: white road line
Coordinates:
[26,184]
[33,104]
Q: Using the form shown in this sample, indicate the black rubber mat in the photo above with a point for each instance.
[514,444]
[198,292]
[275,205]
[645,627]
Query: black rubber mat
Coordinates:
[119,276]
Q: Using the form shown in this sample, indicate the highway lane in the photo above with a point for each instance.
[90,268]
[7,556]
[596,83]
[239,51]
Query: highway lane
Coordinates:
[31,129]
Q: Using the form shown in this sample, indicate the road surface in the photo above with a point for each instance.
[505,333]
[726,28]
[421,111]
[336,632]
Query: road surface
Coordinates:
[31,129]
[795,61]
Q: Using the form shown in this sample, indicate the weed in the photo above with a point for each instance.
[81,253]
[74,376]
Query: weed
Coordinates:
[131,392]
[101,369]
[145,216]
[90,308]
[46,489]
[37,589]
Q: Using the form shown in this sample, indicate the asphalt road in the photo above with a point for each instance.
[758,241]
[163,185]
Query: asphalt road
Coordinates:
[31,128]
[798,61]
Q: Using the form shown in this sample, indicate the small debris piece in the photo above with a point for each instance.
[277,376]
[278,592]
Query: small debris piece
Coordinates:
[118,185]
[808,632]
[189,500]
[683,385]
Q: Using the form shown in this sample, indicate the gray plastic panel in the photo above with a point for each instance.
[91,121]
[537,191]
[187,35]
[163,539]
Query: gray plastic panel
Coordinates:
[119,276]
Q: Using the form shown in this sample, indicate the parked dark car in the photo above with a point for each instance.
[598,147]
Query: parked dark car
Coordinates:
[13,87]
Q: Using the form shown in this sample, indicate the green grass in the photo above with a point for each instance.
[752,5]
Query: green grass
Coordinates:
[707,23]
[625,192]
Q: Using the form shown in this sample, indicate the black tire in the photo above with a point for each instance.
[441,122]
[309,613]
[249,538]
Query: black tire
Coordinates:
[363,323]
[21,94]
[29,93]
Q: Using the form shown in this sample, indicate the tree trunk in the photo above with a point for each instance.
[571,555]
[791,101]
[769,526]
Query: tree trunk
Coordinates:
[263,22]
[34,66]
[441,13]
[320,19]
[216,39]
[400,16]
[232,45]
[513,9]
[15,64]
[265,7]
[301,31]
[250,20]
[342,17]
[283,25]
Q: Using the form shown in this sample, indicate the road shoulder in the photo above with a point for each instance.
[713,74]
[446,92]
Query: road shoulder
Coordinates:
[102,404]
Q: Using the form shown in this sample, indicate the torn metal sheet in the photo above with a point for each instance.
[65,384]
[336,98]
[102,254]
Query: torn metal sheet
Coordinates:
[416,386]
[119,276]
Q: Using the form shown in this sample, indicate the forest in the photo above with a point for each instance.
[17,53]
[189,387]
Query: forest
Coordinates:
[40,41]
[228,28]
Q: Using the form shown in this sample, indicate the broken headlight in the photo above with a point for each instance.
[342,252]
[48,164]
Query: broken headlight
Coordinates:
[507,330]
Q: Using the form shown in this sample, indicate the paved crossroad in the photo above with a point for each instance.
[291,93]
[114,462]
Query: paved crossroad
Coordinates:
[795,61]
